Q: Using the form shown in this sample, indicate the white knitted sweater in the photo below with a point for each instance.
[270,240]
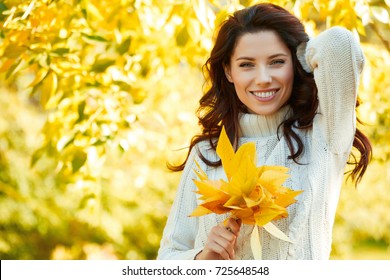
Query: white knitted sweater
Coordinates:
[337,60]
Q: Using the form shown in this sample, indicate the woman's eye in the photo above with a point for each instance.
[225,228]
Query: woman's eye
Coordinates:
[277,61]
[246,64]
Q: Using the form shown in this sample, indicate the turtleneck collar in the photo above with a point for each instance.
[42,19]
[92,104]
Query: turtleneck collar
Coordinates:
[253,125]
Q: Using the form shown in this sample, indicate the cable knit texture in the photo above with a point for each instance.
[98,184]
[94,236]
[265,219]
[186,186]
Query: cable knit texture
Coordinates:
[336,59]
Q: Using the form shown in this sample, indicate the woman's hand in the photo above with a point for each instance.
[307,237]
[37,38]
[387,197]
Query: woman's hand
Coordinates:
[221,241]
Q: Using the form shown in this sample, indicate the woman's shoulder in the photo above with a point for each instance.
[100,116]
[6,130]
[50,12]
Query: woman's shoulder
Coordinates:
[205,148]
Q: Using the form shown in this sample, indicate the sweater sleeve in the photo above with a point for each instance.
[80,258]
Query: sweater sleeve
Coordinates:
[180,230]
[336,60]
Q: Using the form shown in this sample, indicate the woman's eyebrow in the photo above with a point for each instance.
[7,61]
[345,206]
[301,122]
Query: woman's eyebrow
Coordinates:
[278,54]
[245,58]
[251,58]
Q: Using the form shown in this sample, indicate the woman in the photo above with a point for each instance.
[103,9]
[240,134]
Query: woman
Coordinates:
[294,98]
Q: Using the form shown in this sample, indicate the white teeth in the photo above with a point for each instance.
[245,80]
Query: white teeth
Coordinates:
[264,94]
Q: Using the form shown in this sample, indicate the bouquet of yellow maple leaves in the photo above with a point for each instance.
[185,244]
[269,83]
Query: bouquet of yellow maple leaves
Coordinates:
[253,194]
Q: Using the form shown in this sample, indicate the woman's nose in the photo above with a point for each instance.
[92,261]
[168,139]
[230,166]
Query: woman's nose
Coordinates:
[263,76]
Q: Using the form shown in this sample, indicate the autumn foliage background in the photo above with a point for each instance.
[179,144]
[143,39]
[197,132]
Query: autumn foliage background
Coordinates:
[96,96]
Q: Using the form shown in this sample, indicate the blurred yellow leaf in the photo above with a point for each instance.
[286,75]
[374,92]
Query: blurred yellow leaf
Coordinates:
[204,14]
[93,11]
[7,65]
[380,14]
[41,74]
[48,88]
[13,51]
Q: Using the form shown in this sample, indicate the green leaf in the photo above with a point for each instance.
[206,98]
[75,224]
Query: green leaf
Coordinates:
[124,86]
[64,142]
[78,160]
[124,46]
[61,51]
[85,199]
[3,8]
[97,38]
[37,155]
[182,37]
[80,110]
[102,64]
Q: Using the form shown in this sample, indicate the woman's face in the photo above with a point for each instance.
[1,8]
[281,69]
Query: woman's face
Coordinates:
[261,70]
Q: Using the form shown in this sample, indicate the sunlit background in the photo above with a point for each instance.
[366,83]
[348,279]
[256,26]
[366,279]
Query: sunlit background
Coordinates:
[95,98]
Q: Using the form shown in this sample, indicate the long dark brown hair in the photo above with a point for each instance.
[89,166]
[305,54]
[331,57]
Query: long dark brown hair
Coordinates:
[220,106]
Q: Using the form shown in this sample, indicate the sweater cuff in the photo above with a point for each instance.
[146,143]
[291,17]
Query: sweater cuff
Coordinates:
[167,254]
[301,55]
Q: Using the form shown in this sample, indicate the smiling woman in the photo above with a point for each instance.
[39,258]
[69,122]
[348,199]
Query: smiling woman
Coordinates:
[261,70]
[295,100]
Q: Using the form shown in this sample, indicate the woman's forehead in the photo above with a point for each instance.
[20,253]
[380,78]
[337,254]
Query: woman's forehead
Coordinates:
[263,43]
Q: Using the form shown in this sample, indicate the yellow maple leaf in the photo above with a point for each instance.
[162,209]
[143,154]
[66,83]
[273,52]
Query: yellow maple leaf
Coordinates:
[212,195]
[226,152]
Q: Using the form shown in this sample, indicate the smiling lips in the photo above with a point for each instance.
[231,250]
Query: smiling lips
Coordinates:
[264,95]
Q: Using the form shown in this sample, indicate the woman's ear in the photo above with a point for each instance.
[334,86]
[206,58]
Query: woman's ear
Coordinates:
[226,68]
